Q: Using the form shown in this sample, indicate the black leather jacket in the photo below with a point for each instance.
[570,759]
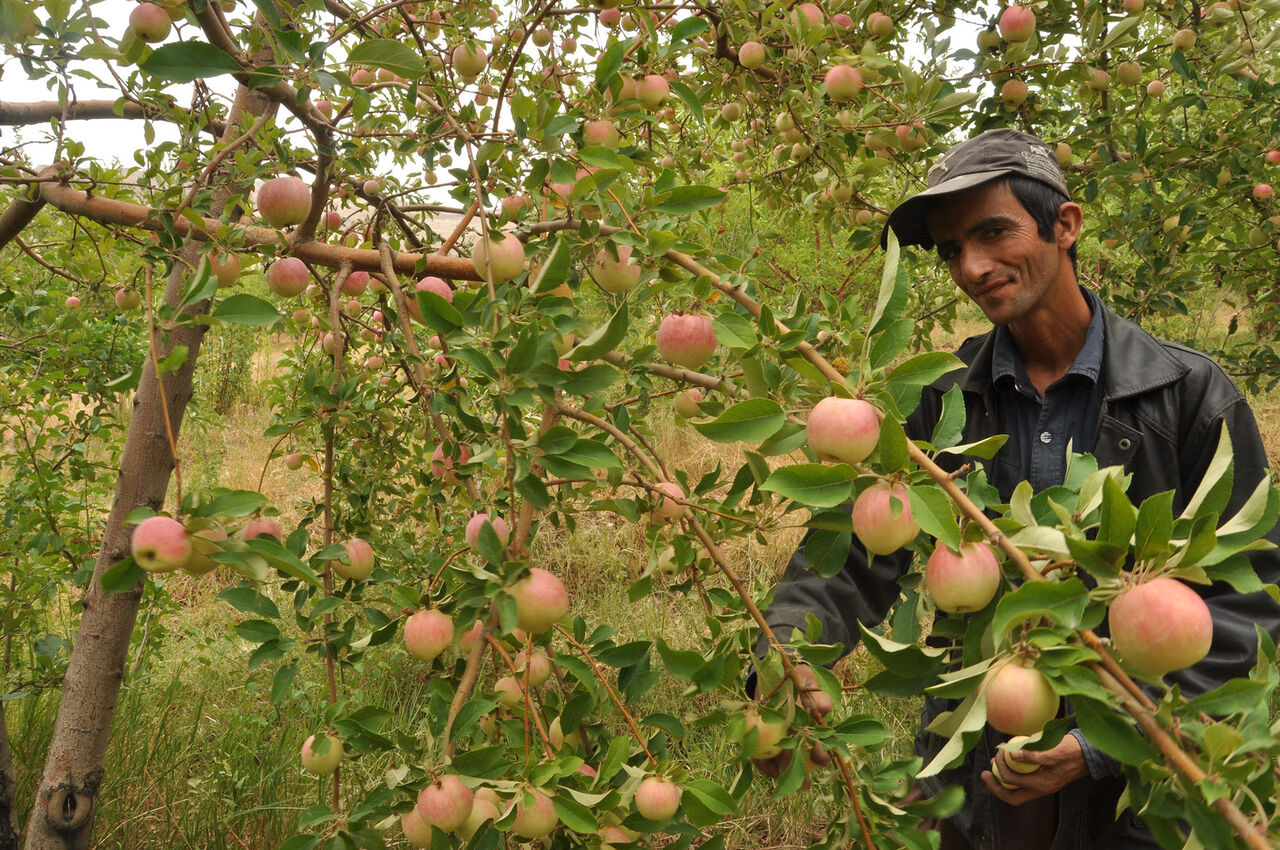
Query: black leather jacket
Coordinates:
[1162,412]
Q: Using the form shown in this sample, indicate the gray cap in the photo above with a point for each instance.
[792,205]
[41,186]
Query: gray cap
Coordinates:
[994,154]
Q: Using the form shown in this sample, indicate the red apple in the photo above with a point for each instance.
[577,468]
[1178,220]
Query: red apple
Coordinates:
[686,340]
[1017,24]
[1020,700]
[541,600]
[653,90]
[964,582]
[842,82]
[261,528]
[1160,626]
[321,756]
[284,201]
[618,276]
[359,563]
[478,521]
[415,828]
[751,54]
[505,256]
[1262,191]
[288,277]
[224,267]
[72,301]
[535,814]
[657,798]
[843,429]
[445,803]
[1272,157]
[160,545]
[149,23]
[882,518]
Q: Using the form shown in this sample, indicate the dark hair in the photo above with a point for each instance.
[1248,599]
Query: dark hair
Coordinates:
[1041,201]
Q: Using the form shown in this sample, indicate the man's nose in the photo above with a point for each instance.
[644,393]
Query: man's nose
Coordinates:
[974,264]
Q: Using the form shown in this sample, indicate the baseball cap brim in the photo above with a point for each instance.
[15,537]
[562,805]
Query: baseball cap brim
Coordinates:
[908,218]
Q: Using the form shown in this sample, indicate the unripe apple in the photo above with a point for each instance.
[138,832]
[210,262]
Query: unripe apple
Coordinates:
[1013,93]
[1063,154]
[478,521]
[1160,626]
[287,277]
[508,692]
[541,37]
[751,54]
[1262,191]
[657,798]
[618,276]
[535,814]
[321,756]
[988,40]
[149,23]
[686,403]
[481,811]
[653,90]
[224,267]
[160,545]
[261,528]
[1011,748]
[505,257]
[879,25]
[541,600]
[964,582]
[1129,73]
[731,111]
[445,803]
[415,828]
[534,667]
[359,563]
[1017,24]
[1184,39]
[284,201]
[1020,700]
[468,60]
[203,544]
[128,299]
[686,340]
[768,734]
[882,518]
[601,132]
[842,82]
[843,429]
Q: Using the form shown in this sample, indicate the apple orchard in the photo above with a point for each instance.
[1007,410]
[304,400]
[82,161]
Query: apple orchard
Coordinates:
[658,212]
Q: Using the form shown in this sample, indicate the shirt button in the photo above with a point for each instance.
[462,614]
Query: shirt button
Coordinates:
[1046,437]
[1125,443]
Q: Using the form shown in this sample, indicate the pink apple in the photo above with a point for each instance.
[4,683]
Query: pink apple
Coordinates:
[843,429]
[362,78]
[160,545]
[356,283]
[508,692]
[686,340]
[842,82]
[284,201]
[807,14]
[882,518]
[224,267]
[1013,93]
[600,132]
[261,528]
[653,90]
[478,521]
[1020,700]
[415,828]
[512,204]
[505,256]
[657,798]
[841,21]
[203,544]
[1160,626]
[72,302]
[436,285]
[1017,24]
[879,25]
[535,814]
[686,403]
[668,506]
[481,810]
[442,464]
[1262,191]
[149,23]
[321,756]
[359,563]
[1272,157]
[373,187]
[445,803]
[618,276]
[610,17]
[1156,88]
[541,600]
[964,582]
[751,54]
[468,60]
[287,277]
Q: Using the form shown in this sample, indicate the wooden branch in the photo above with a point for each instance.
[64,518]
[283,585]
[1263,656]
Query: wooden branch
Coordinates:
[16,114]
[19,214]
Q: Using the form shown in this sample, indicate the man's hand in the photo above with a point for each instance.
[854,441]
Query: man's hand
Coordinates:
[1059,767]
[773,767]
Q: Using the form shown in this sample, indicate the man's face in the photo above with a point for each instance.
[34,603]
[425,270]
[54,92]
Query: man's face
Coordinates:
[994,252]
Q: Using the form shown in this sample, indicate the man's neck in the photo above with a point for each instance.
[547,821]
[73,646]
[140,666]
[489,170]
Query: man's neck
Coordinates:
[1050,339]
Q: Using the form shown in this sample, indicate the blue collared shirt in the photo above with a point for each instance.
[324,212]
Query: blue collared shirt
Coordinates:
[1040,427]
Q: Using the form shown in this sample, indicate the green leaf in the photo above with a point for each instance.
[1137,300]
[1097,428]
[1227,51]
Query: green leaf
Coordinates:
[893,288]
[750,421]
[605,337]
[188,61]
[1238,696]
[984,448]
[387,53]
[817,485]
[690,100]
[683,664]
[1112,733]
[891,447]
[439,314]
[1119,517]
[257,631]
[575,815]
[247,600]
[890,342]
[245,309]
[689,28]
[1214,490]
[934,513]
[950,426]
[1063,602]
[555,268]
[608,64]
[924,368]
[598,156]
[1155,526]
[234,503]
[734,331]
[686,199]
[121,576]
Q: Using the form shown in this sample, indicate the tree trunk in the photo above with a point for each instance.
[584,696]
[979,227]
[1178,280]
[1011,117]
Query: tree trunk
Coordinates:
[8,791]
[62,816]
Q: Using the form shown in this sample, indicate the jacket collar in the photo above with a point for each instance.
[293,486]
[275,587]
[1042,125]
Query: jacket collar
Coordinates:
[1133,361]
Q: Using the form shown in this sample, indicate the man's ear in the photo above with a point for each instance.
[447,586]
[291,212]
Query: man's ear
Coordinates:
[1067,228]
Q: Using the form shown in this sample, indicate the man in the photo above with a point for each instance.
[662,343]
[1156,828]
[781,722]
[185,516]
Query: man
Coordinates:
[1058,367]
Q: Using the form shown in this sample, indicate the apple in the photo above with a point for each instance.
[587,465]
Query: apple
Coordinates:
[879,24]
[508,692]
[468,60]
[224,267]
[160,545]
[669,506]
[751,55]
[512,204]
[686,403]
[1129,73]
[843,429]
[541,37]
[686,340]
[324,107]
[359,563]
[372,186]
[203,544]
[445,803]
[618,276]
[1184,39]
[1017,24]
[1262,191]
[478,521]
[1272,157]
[150,23]
[730,112]
[261,528]
[601,132]
[1013,93]
[614,837]
[842,82]
[72,302]
[882,518]
[1063,154]
[504,256]
[558,739]
[610,16]
[128,299]
[534,666]
[768,735]
[807,15]
[287,277]
[442,464]
[1160,625]
[1020,700]
[1011,748]
[963,582]
[653,90]
[541,600]
[535,814]
[1100,80]
[657,798]
[415,828]
[482,809]
[362,78]
[284,201]
[322,756]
